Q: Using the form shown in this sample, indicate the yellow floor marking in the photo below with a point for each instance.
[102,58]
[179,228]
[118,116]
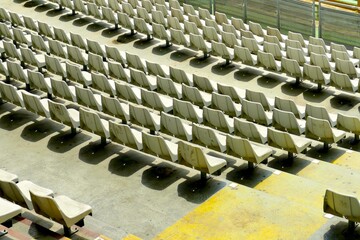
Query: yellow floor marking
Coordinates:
[244,213]
[350,160]
[131,237]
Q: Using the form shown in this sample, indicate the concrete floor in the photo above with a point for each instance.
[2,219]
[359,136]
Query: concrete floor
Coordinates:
[133,193]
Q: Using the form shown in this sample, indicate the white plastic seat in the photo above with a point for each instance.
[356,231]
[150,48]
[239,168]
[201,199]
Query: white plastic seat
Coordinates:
[347,67]
[16,19]
[174,4]
[218,120]
[174,23]
[62,90]
[288,142]
[4,15]
[342,81]
[195,96]
[235,93]
[341,48]
[221,18]
[286,121]
[255,38]
[230,40]
[140,115]
[197,42]
[140,78]
[344,206]
[102,83]
[159,18]
[251,44]
[225,104]
[87,98]
[290,106]
[337,54]
[78,41]
[254,111]
[128,9]
[93,10]
[38,81]
[194,157]
[76,55]
[128,92]
[268,61]
[95,63]
[292,68]
[110,17]
[162,8]
[159,146]
[220,49]
[190,27]
[114,54]
[147,5]
[156,101]
[157,69]
[349,124]
[318,50]
[21,37]
[274,49]
[210,34]
[8,210]
[126,22]
[35,104]
[54,66]
[117,72]
[142,27]
[10,94]
[274,40]
[187,111]
[204,84]
[37,60]
[91,121]
[298,37]
[297,54]
[45,30]
[229,28]
[194,18]
[205,14]
[176,127]
[178,37]
[250,152]
[209,138]
[160,32]
[134,61]
[322,61]
[167,86]
[256,29]
[266,102]
[80,6]
[67,116]
[114,107]
[61,35]
[252,131]
[245,56]
[12,52]
[61,209]
[315,74]
[179,15]
[123,134]
[74,73]
[96,48]
[134,3]
[321,130]
[16,72]
[30,23]
[189,9]
[114,5]
[212,23]
[321,113]
[320,42]
[57,49]
[5,32]
[180,76]
[275,32]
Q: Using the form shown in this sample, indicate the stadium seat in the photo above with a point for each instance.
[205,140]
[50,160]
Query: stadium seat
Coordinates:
[250,152]
[321,113]
[252,131]
[128,92]
[159,146]
[204,84]
[225,104]
[321,130]
[123,134]
[195,96]
[115,108]
[286,121]
[288,142]
[35,104]
[8,210]
[315,74]
[141,79]
[61,209]
[141,116]
[235,93]
[88,98]
[349,124]
[176,127]
[188,111]
[254,111]
[156,101]
[197,42]
[67,116]
[343,82]
[290,106]
[218,120]
[63,90]
[168,87]
[208,137]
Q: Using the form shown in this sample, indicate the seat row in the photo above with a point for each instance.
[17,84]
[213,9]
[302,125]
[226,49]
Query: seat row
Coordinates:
[26,194]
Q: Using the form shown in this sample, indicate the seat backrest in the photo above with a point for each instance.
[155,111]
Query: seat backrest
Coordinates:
[75,55]
[32,103]
[296,54]
[230,91]
[346,66]
[156,144]
[217,119]
[342,81]
[90,121]
[317,112]
[140,78]
[193,95]
[204,13]
[47,207]
[95,63]
[320,60]
[54,66]
[113,107]
[207,137]
[291,66]
[174,23]
[285,120]
[75,74]
[56,48]
[125,91]
[256,28]
[341,205]
[115,54]
[221,18]
[210,34]
[274,32]
[239,147]
[318,128]
[121,133]
[95,47]
[298,37]
[59,113]
[37,80]
[281,140]
[78,41]
[188,9]
[10,191]
[313,73]
[204,83]
[155,69]
[274,49]
[117,71]
[10,94]
[192,155]
[348,123]
[141,115]
[317,41]
[16,72]
[100,82]
[186,110]
[258,97]
[61,89]
[316,49]
[180,76]
[250,43]
[86,98]
[134,61]
[287,105]
[250,130]
[238,23]
[254,111]
[167,85]
[190,27]
[173,125]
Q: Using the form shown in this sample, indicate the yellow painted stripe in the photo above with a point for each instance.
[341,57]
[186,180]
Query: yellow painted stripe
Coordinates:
[349,159]
[244,213]
[131,237]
